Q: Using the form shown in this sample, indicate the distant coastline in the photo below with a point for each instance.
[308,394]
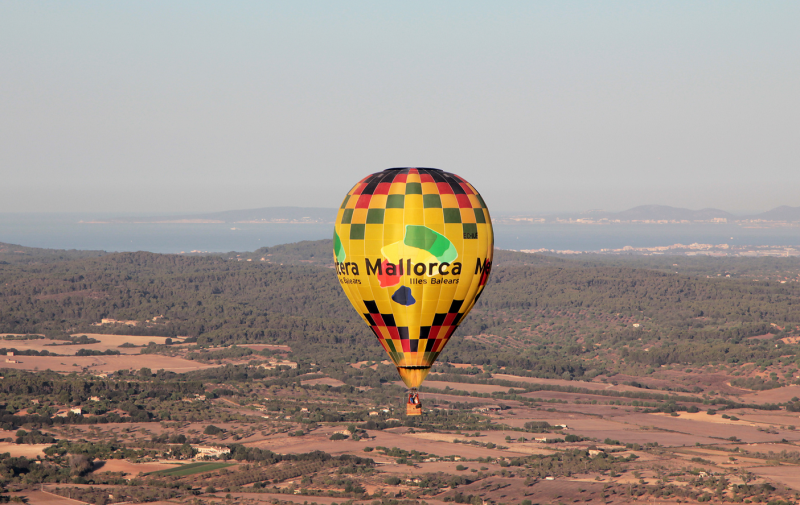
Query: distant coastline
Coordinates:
[783,216]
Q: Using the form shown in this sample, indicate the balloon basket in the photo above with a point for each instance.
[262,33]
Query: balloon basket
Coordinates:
[413,403]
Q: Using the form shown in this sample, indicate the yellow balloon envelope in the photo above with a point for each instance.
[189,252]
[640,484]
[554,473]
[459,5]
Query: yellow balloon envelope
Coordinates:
[413,250]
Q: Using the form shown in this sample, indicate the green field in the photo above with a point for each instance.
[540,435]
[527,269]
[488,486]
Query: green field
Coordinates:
[191,469]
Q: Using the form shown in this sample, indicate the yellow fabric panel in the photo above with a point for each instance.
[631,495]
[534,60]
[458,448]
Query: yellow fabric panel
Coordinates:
[378,202]
[448,201]
[429,188]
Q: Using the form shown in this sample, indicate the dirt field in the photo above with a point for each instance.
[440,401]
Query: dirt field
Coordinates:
[324,380]
[128,468]
[29,451]
[45,498]
[766,448]
[566,383]
[106,363]
[778,395]
[307,500]
[430,398]
[319,440]
[472,388]
[107,342]
[703,428]
[786,475]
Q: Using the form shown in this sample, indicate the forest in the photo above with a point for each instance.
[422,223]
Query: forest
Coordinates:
[545,315]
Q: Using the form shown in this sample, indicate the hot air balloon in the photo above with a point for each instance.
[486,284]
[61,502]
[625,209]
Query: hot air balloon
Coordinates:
[413,251]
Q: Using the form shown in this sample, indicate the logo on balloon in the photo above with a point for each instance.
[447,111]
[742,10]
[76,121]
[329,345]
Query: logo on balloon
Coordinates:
[420,246]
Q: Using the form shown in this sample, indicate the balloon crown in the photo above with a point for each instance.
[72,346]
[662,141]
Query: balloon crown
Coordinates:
[419,168]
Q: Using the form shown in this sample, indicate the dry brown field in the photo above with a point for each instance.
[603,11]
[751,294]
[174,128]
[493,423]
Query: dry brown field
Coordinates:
[720,458]
[306,500]
[702,428]
[707,381]
[560,382]
[27,450]
[128,468]
[460,386]
[776,447]
[430,398]
[777,395]
[106,363]
[788,475]
[324,380]
[560,490]
[776,417]
[320,440]
[45,498]
[623,425]
[107,342]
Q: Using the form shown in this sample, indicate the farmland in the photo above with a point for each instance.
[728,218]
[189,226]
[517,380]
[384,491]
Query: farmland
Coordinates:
[153,378]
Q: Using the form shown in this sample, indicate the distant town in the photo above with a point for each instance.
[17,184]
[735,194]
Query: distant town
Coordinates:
[644,214]
[719,250]
[661,214]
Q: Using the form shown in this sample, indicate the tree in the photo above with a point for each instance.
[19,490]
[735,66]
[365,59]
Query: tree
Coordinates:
[212,430]
[79,464]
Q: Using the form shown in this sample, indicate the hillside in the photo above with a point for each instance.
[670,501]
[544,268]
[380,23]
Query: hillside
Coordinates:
[13,253]
[537,306]
[782,213]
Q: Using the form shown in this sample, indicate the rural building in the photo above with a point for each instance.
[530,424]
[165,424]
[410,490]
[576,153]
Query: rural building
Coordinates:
[65,412]
[274,363]
[210,452]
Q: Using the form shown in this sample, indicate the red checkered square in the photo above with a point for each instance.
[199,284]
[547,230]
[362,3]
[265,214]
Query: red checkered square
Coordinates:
[463,202]
[363,202]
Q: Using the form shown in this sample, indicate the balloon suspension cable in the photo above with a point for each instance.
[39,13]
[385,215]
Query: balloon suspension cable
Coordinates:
[413,403]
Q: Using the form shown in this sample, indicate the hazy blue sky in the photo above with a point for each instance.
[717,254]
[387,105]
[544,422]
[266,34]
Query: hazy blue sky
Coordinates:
[195,106]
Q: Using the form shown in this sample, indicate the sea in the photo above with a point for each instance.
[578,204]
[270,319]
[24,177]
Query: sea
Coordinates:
[82,231]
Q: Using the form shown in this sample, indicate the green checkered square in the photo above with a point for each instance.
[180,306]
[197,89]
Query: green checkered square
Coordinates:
[375,216]
[347,216]
[395,202]
[344,203]
[452,216]
[431,202]
[480,217]
[470,230]
[357,231]
[413,188]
